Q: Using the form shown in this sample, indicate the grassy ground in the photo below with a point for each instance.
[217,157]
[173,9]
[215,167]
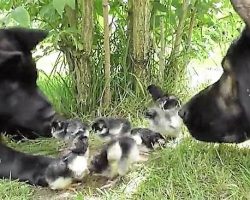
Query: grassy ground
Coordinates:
[197,170]
[192,170]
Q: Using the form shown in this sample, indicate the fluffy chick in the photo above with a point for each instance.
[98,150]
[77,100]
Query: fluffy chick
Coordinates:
[108,127]
[72,166]
[68,129]
[78,156]
[147,139]
[163,116]
[116,157]
[58,176]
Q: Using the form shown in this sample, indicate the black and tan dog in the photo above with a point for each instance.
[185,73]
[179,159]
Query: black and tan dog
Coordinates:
[22,104]
[221,112]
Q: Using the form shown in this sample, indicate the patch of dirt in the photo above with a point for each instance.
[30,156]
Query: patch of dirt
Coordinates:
[92,187]
[91,184]
[46,194]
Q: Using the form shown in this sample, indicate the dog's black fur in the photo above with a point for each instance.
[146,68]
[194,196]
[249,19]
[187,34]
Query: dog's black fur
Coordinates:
[221,112]
[24,167]
[22,105]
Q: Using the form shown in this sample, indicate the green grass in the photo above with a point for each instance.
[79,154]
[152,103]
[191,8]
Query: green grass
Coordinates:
[193,170]
[60,92]
[13,190]
[197,170]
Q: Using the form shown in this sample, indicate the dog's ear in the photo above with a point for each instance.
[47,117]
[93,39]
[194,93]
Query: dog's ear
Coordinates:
[9,57]
[155,92]
[242,7]
[27,38]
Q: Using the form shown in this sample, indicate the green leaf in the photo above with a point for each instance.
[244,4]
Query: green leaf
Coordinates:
[158,6]
[157,20]
[21,16]
[71,3]
[59,6]
[98,7]
[6,5]
[46,10]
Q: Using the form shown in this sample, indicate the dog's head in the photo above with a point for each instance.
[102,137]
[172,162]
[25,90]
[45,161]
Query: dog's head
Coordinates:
[21,102]
[221,112]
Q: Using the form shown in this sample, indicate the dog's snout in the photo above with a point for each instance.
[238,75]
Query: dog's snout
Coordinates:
[50,113]
[47,113]
[183,113]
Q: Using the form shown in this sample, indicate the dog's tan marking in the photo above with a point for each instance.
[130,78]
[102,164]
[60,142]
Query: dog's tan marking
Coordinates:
[227,65]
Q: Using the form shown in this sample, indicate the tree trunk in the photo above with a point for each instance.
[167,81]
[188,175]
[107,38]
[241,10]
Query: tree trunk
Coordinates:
[191,25]
[179,32]
[71,20]
[162,52]
[175,70]
[129,60]
[107,93]
[82,71]
[79,59]
[141,26]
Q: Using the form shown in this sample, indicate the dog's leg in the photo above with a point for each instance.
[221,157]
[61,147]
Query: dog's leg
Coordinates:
[24,167]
